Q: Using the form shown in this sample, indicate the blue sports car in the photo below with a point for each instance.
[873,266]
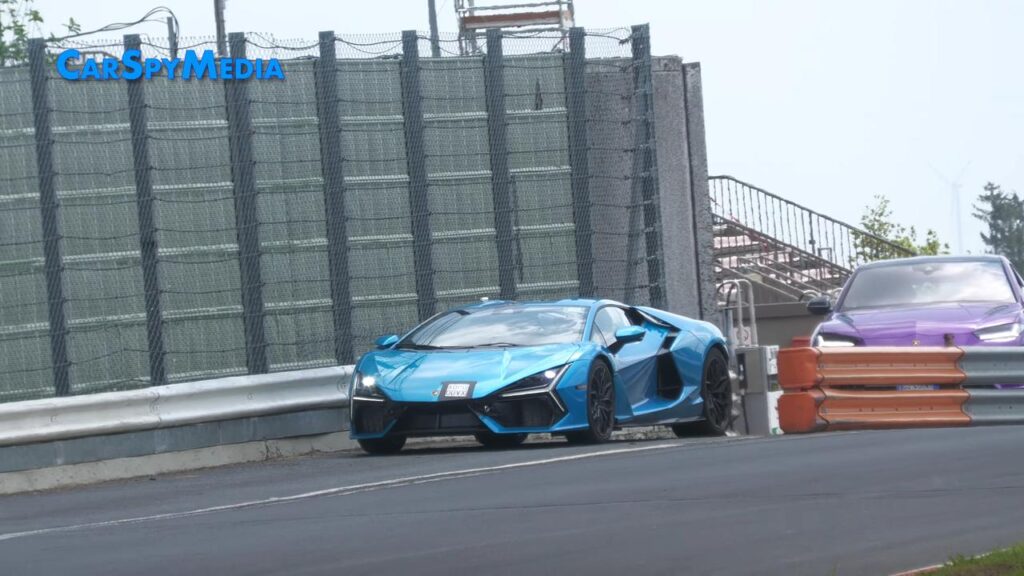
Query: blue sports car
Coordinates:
[501,370]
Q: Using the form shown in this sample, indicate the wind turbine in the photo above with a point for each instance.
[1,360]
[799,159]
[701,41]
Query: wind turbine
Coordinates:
[954,189]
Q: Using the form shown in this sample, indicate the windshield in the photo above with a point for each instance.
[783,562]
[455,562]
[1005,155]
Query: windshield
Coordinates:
[519,325]
[930,283]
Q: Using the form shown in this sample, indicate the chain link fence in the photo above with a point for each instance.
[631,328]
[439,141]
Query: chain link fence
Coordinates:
[162,230]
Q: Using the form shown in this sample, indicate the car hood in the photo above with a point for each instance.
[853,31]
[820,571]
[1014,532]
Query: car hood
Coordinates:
[921,325]
[417,376]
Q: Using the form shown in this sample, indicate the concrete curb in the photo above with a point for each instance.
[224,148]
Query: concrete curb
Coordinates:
[214,456]
[155,464]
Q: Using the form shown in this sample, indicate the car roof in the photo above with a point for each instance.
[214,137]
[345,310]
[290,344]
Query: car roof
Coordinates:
[934,259]
[588,302]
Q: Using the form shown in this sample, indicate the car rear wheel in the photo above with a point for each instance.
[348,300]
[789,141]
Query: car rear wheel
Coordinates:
[600,407]
[492,440]
[387,445]
[716,392]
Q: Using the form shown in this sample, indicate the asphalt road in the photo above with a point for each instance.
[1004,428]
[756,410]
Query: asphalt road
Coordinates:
[831,504]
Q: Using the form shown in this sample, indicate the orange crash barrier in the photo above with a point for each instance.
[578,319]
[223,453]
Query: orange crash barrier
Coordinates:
[870,388]
[805,368]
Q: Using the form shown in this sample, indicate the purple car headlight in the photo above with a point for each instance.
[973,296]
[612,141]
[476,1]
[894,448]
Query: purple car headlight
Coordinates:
[824,340]
[1000,333]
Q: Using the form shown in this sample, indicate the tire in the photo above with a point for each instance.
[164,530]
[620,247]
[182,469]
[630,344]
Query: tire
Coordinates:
[381,446]
[600,406]
[716,392]
[492,440]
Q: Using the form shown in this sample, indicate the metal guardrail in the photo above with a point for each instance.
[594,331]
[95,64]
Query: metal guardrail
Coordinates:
[994,406]
[833,240]
[173,405]
[993,366]
[870,388]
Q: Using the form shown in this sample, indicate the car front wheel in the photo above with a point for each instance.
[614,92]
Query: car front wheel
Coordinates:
[600,407]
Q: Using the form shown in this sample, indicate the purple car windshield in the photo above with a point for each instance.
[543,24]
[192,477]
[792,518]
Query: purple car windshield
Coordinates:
[928,283]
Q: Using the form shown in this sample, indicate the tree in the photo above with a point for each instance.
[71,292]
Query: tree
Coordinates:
[1003,215]
[17,18]
[890,239]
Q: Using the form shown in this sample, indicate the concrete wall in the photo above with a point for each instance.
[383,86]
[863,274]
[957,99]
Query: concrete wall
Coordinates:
[681,164]
[697,161]
[778,324]
[679,238]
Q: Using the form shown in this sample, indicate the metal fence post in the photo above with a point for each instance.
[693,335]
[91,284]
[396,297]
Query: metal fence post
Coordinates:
[703,224]
[579,164]
[325,76]
[415,156]
[243,182]
[50,211]
[644,168]
[147,226]
[501,178]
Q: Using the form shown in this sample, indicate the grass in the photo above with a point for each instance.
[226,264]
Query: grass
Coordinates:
[1008,562]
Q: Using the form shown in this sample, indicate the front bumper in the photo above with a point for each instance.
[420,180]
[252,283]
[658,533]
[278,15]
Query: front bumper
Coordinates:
[375,418]
[955,336]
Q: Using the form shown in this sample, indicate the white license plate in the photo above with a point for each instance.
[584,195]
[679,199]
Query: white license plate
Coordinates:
[456,390]
[918,387]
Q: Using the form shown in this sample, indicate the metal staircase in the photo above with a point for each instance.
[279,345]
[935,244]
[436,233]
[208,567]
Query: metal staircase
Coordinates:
[790,252]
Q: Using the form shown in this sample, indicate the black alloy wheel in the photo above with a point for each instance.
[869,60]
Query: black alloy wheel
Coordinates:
[600,406]
[716,392]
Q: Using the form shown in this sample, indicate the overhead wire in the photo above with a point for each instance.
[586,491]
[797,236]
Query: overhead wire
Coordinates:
[113,27]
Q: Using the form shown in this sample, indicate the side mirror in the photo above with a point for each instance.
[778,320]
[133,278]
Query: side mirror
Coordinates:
[820,305]
[628,334]
[385,342]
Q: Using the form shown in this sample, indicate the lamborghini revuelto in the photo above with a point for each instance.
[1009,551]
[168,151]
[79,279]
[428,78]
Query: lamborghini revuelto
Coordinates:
[501,370]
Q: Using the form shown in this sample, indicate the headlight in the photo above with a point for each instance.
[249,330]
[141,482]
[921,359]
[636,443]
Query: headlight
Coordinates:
[365,386]
[1000,333]
[535,384]
[834,341]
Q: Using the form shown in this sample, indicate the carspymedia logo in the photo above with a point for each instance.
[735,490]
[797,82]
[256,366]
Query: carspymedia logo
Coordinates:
[132,66]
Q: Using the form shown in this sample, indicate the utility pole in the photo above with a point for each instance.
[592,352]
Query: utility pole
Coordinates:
[473,48]
[222,39]
[172,38]
[435,42]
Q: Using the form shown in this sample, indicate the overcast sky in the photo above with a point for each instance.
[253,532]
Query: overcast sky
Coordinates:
[825,102]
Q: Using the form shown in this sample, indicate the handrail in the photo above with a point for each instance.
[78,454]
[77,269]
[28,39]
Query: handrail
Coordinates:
[796,281]
[791,275]
[724,273]
[796,225]
[808,279]
[759,236]
[737,287]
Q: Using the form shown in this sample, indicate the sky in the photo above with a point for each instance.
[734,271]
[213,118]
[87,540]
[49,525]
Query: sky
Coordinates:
[826,103]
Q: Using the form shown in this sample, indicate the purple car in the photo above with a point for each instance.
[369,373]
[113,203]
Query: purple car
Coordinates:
[925,301]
